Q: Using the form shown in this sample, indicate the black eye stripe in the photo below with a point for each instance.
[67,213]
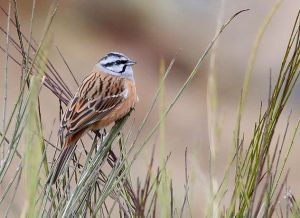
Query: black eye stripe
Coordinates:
[118,62]
[108,64]
[121,62]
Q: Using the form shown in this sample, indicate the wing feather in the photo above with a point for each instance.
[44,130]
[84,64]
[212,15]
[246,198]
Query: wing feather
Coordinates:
[98,95]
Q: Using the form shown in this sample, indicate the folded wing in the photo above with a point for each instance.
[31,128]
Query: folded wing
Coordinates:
[97,96]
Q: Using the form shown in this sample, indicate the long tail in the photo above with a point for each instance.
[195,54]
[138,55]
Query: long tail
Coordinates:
[60,163]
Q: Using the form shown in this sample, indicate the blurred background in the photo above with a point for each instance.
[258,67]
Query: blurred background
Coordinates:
[151,31]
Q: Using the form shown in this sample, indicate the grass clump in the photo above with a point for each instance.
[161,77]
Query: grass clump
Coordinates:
[98,181]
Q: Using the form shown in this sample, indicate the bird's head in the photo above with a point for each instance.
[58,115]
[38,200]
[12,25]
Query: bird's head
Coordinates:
[117,64]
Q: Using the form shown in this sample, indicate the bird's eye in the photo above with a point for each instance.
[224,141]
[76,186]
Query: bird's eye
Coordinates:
[118,62]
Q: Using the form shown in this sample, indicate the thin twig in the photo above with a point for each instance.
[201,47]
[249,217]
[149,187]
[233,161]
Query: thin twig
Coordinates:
[66,63]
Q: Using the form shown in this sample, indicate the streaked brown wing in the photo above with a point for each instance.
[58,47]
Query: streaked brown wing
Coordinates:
[98,95]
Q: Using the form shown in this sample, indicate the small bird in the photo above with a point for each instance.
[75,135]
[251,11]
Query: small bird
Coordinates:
[105,96]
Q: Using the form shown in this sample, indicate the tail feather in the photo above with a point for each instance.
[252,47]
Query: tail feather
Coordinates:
[62,160]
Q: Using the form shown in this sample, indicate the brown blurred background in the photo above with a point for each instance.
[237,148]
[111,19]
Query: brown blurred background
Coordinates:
[148,31]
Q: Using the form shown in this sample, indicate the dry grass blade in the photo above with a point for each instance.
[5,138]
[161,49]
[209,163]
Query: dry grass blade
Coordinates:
[257,163]
[97,181]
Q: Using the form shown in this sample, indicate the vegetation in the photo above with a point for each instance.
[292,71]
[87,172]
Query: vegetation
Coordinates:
[98,182]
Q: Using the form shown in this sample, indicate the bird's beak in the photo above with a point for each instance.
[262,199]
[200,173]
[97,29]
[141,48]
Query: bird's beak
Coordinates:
[130,62]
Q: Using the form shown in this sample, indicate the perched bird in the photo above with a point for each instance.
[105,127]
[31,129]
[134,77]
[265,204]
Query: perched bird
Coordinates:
[104,97]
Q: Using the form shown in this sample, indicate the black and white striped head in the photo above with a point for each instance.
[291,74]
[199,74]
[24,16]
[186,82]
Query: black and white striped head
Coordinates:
[116,64]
